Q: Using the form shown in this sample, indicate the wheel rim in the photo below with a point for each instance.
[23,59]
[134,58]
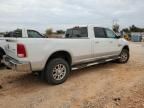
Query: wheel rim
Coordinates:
[59,72]
[124,56]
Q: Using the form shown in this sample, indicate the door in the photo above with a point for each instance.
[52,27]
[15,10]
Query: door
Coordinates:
[113,42]
[79,44]
[100,43]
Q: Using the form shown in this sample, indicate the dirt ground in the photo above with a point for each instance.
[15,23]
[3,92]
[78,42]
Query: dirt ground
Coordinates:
[109,85]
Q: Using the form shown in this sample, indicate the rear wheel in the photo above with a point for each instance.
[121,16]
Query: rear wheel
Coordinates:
[1,59]
[124,56]
[57,71]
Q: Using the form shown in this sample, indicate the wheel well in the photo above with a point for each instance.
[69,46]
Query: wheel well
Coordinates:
[126,47]
[61,54]
[2,52]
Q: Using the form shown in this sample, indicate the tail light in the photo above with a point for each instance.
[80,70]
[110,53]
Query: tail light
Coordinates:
[21,51]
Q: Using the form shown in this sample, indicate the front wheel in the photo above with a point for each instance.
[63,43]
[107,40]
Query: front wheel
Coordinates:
[124,56]
[57,71]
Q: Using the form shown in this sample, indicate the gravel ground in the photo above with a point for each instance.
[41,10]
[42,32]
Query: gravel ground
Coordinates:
[109,85]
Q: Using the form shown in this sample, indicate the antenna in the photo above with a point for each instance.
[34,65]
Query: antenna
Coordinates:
[115,25]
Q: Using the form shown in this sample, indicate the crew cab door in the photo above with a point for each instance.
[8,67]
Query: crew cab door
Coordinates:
[113,42]
[100,43]
[80,44]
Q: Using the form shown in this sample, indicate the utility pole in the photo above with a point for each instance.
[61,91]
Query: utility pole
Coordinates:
[115,26]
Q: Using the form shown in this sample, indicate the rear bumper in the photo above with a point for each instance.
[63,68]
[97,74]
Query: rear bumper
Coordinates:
[17,65]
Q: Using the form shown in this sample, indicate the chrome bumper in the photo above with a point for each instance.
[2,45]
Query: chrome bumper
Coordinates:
[17,65]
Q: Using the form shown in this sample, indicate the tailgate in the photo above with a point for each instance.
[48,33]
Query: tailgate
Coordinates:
[11,47]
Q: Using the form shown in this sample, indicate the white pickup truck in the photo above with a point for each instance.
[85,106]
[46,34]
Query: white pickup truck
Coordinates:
[55,58]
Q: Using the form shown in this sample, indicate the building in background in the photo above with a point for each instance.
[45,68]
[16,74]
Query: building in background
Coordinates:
[137,36]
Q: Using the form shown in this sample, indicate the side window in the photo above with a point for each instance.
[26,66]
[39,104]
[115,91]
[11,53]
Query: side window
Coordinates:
[84,32]
[8,34]
[110,33]
[17,33]
[68,33]
[14,34]
[34,34]
[99,32]
[77,32]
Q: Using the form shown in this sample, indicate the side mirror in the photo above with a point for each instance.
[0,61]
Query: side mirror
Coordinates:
[118,36]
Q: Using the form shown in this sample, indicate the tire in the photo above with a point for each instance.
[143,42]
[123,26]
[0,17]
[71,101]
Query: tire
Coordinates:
[2,53]
[57,71]
[1,59]
[124,56]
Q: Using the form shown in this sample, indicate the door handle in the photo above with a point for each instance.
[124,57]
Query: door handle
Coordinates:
[111,41]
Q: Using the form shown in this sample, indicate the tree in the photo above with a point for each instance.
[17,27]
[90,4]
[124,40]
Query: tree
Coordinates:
[126,30]
[133,28]
[49,32]
[60,32]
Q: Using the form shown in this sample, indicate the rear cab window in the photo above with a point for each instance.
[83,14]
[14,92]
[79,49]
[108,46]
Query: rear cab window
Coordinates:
[14,34]
[18,34]
[78,32]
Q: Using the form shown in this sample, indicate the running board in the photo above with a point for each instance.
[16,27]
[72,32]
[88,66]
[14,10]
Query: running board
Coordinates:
[80,66]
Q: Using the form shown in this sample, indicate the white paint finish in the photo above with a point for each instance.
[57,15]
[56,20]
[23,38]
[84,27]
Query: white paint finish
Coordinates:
[39,50]
[2,42]
[100,47]
[81,50]
[113,46]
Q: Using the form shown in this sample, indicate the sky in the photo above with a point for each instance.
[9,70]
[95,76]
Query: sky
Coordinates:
[62,14]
